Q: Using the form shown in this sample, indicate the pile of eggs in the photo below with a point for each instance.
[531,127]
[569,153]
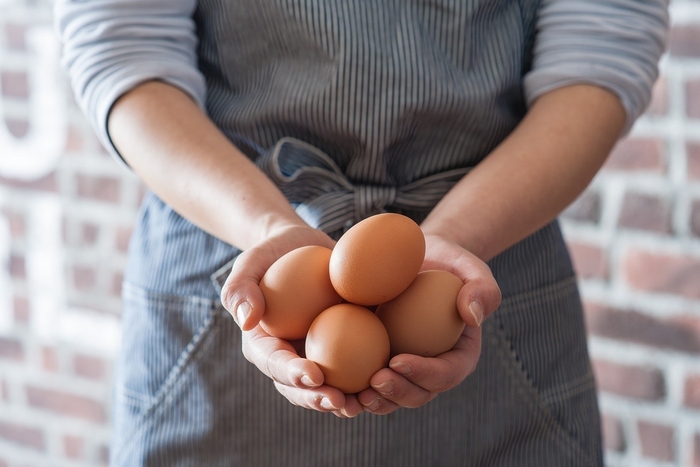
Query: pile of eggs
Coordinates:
[325,296]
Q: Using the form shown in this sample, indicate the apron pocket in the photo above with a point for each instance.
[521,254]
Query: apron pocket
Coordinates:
[545,332]
[163,337]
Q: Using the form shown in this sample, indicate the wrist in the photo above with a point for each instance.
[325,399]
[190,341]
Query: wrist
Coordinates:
[275,224]
[292,231]
[453,232]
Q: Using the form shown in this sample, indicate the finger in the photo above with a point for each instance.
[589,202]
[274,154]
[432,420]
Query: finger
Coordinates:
[477,299]
[398,390]
[375,403]
[480,296]
[241,294]
[278,359]
[322,399]
[352,407]
[447,370]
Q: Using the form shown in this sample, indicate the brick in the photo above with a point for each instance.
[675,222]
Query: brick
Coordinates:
[659,98]
[67,227]
[104,455]
[26,436]
[73,447]
[693,153]
[663,273]
[89,234]
[16,37]
[117,280]
[631,326]
[98,188]
[645,212]
[695,218]
[11,349]
[691,393]
[21,309]
[637,154]
[696,450]
[123,236]
[45,183]
[84,277]
[17,267]
[589,261]
[613,437]
[586,208]
[692,98]
[636,382]
[683,41]
[656,441]
[17,225]
[17,128]
[49,359]
[71,405]
[89,367]
[74,140]
[14,84]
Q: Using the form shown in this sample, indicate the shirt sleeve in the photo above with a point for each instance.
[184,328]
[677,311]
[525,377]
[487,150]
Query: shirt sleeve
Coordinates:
[111,46]
[615,44]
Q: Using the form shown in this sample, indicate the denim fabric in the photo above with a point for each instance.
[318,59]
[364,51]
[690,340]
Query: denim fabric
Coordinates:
[185,396]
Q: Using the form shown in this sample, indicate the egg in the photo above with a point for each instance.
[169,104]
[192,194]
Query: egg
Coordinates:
[424,319]
[376,259]
[297,287]
[349,344]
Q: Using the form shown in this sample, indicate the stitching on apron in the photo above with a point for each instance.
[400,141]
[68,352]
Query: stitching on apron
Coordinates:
[201,341]
[574,388]
[530,395]
[147,297]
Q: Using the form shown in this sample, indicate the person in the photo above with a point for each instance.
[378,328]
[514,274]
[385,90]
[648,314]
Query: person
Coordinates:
[261,126]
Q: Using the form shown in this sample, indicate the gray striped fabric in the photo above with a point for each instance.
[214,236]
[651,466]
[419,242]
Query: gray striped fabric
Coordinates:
[354,107]
[187,397]
[327,200]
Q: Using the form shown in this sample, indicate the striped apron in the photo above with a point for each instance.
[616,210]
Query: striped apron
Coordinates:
[353,107]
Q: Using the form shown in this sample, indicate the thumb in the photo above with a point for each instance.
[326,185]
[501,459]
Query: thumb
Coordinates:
[241,294]
[477,299]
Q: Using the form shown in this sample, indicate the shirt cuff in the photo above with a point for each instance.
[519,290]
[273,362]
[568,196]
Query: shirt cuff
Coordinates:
[614,44]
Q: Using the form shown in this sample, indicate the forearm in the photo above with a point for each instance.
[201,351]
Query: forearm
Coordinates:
[546,162]
[181,155]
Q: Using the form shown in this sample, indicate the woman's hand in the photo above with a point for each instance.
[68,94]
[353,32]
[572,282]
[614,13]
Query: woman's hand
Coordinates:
[296,378]
[411,380]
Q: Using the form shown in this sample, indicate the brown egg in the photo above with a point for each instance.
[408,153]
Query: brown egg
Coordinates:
[376,259]
[297,288]
[424,320]
[349,343]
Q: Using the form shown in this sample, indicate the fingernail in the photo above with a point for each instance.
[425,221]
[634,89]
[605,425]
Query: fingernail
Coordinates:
[477,311]
[307,381]
[242,312]
[373,404]
[385,388]
[327,404]
[401,368]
